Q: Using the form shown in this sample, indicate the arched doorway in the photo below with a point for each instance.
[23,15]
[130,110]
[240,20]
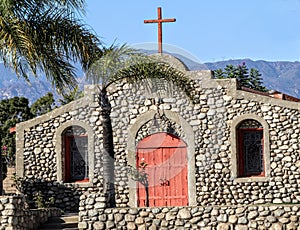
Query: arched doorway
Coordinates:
[166,158]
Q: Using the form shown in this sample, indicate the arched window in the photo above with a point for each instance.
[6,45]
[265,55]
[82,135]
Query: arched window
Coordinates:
[76,166]
[250,143]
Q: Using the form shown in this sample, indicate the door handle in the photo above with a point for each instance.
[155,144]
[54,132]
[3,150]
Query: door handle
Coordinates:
[164,182]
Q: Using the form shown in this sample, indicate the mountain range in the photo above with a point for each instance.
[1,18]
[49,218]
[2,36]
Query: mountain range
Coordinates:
[282,76]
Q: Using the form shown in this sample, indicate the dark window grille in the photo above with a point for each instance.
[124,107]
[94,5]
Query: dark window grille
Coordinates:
[251,151]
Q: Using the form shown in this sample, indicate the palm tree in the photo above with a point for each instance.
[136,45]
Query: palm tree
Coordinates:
[71,95]
[125,64]
[46,36]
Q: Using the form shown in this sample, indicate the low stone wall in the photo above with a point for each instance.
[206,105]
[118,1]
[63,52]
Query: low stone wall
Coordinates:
[270,216]
[15,216]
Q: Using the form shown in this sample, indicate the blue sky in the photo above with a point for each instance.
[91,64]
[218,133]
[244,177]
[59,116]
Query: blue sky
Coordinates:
[209,30]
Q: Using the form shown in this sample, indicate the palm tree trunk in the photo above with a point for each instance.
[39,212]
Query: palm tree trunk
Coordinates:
[147,195]
[108,150]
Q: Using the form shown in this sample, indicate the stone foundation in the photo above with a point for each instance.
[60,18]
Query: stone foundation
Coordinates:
[269,216]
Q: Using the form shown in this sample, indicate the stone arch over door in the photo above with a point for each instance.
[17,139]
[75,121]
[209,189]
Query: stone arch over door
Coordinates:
[189,140]
[60,150]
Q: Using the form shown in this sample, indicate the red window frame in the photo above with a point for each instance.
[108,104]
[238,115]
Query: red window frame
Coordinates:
[68,176]
[241,154]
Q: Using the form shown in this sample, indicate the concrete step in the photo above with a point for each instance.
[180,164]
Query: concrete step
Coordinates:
[67,221]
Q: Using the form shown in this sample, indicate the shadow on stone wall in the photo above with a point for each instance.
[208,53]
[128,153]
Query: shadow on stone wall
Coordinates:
[43,194]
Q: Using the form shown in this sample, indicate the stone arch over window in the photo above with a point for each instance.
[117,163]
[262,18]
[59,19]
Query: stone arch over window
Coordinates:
[188,138]
[250,157]
[75,148]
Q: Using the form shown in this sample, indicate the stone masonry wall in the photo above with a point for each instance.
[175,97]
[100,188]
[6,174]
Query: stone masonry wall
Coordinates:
[212,121]
[40,162]
[218,186]
[38,167]
[240,217]
[15,216]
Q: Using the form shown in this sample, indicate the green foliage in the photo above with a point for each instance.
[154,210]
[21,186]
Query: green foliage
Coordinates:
[43,105]
[252,79]
[139,174]
[16,110]
[71,95]
[41,201]
[12,111]
[46,36]
[18,182]
[256,80]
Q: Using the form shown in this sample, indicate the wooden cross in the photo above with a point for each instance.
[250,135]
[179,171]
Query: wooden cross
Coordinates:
[160,21]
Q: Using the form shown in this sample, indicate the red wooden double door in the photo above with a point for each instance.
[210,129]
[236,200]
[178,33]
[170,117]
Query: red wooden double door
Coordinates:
[166,159]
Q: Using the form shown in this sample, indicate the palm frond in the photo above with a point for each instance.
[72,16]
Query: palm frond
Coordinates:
[114,59]
[70,37]
[24,8]
[153,69]
[48,41]
[124,63]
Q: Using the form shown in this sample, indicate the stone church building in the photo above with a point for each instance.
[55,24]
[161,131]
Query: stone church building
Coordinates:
[235,146]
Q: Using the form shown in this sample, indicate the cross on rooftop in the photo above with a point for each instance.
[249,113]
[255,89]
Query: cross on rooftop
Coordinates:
[159,21]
